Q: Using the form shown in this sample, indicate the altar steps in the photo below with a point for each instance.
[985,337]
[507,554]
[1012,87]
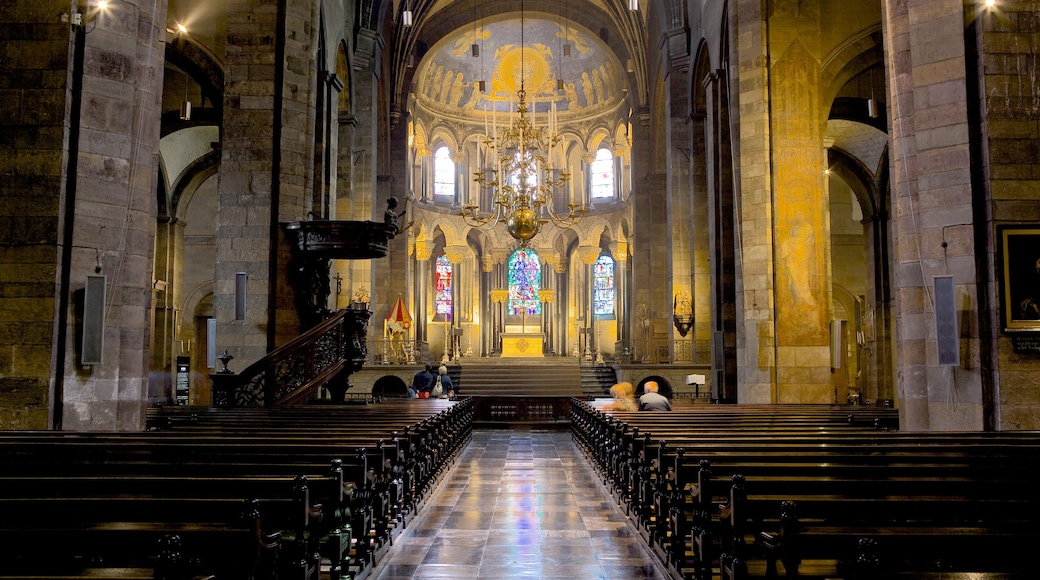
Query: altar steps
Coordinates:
[529,377]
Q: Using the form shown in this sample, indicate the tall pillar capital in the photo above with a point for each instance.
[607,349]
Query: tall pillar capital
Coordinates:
[499,296]
[423,250]
[589,254]
[487,263]
[456,253]
[546,295]
[619,250]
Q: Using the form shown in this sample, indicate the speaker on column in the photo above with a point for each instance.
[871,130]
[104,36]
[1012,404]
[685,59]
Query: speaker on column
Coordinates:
[211,343]
[947,339]
[94,298]
[837,342]
[240,296]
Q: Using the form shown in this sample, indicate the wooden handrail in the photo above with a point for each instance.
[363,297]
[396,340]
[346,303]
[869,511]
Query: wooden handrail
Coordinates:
[291,372]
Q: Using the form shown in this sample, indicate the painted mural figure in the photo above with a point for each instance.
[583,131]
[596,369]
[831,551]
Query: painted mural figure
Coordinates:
[586,87]
[794,254]
[598,86]
[445,87]
[456,91]
[572,97]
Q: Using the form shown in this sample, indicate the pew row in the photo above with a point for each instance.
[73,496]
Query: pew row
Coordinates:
[293,494]
[861,498]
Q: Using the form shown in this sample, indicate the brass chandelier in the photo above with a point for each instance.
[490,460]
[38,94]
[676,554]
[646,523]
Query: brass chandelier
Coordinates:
[522,180]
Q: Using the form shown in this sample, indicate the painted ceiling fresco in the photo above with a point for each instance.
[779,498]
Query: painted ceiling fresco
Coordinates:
[449,77]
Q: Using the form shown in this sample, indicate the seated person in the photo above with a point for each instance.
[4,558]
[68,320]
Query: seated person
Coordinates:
[652,400]
[422,382]
[624,398]
[444,381]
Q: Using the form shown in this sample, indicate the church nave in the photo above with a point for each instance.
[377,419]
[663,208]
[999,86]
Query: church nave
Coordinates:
[520,504]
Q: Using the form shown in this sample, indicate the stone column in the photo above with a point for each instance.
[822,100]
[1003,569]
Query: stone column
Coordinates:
[560,269]
[456,254]
[619,251]
[423,251]
[457,157]
[545,296]
[79,159]
[588,256]
[586,172]
[499,297]
[933,204]
[487,315]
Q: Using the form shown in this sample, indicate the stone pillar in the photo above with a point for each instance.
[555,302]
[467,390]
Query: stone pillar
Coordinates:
[423,251]
[800,238]
[499,297]
[457,157]
[79,149]
[456,254]
[588,256]
[167,287]
[545,296]
[560,270]
[619,251]
[487,314]
[931,177]
[266,171]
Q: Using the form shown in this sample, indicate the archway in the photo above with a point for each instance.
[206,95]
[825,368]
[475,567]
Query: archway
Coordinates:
[389,386]
[664,388]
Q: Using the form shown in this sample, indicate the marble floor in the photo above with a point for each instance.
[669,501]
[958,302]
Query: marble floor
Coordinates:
[520,504]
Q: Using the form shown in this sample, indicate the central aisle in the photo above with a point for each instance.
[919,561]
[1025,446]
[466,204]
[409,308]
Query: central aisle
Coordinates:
[520,504]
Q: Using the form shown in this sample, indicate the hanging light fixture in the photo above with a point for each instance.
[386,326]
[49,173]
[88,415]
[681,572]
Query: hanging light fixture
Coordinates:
[186,104]
[871,105]
[523,181]
[633,4]
[406,15]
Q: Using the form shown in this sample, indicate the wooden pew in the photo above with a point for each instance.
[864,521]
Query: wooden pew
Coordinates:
[126,485]
[832,471]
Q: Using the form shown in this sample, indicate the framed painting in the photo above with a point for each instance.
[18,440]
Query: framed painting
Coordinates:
[1020,277]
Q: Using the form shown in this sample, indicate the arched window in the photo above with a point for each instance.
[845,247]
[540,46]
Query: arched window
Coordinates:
[443,173]
[602,172]
[442,286]
[525,279]
[603,286]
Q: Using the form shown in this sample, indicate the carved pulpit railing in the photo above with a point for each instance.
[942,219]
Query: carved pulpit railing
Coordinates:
[332,345]
[323,356]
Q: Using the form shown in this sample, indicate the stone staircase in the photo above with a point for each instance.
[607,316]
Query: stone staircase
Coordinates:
[531,377]
[597,380]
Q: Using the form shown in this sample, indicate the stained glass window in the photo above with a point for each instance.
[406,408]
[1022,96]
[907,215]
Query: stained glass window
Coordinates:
[603,285]
[443,173]
[602,172]
[442,286]
[525,279]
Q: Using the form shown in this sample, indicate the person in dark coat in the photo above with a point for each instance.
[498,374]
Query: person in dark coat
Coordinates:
[422,382]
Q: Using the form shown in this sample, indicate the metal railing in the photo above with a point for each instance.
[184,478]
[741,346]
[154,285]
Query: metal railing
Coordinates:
[658,351]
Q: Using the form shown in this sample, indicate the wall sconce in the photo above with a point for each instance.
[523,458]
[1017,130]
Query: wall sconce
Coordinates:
[682,313]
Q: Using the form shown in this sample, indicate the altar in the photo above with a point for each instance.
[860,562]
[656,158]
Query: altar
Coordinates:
[521,344]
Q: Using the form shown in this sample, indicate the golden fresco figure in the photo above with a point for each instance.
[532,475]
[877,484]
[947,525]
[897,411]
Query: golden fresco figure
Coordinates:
[586,87]
[572,97]
[456,91]
[474,96]
[445,87]
[433,84]
[598,86]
